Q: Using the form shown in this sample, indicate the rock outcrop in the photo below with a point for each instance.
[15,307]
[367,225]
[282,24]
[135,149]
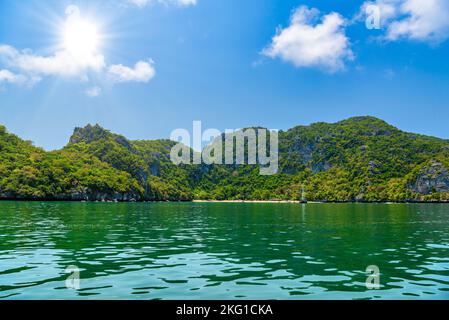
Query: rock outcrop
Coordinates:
[432,178]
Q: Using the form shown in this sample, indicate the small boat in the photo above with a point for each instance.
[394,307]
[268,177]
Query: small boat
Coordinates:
[303,196]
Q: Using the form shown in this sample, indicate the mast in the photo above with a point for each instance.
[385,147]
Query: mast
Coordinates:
[303,195]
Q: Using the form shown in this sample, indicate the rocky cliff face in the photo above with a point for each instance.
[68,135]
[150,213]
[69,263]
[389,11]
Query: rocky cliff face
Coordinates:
[79,196]
[101,197]
[432,178]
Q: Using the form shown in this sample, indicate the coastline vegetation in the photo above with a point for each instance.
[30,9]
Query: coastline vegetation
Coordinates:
[359,159]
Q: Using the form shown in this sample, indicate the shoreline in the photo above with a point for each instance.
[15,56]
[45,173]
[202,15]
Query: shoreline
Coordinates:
[225,201]
[255,201]
[319,202]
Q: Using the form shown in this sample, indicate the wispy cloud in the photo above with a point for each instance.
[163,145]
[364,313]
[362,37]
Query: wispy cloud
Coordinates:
[61,63]
[93,92]
[9,77]
[143,71]
[312,42]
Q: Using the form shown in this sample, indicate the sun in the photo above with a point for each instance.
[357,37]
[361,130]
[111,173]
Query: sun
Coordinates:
[80,37]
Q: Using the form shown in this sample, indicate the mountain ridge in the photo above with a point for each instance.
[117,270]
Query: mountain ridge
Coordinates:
[361,158]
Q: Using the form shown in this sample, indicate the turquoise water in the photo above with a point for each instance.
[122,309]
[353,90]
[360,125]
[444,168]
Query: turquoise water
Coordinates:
[223,251]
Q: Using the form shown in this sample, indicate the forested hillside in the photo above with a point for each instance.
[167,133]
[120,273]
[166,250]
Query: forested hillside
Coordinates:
[358,159]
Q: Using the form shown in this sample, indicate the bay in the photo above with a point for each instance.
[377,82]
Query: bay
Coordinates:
[223,250]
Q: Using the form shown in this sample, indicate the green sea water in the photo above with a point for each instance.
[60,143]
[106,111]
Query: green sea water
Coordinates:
[223,250]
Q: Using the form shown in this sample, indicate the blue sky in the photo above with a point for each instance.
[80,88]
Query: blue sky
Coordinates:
[227,63]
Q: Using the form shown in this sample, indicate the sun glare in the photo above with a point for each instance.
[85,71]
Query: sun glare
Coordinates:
[81,37]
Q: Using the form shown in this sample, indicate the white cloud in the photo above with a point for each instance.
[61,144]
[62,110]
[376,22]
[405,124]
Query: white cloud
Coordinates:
[307,42]
[61,63]
[419,20]
[9,77]
[144,3]
[428,20]
[93,92]
[142,72]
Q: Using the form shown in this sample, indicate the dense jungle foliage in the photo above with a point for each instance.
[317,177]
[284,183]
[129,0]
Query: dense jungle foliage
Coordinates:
[358,159]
